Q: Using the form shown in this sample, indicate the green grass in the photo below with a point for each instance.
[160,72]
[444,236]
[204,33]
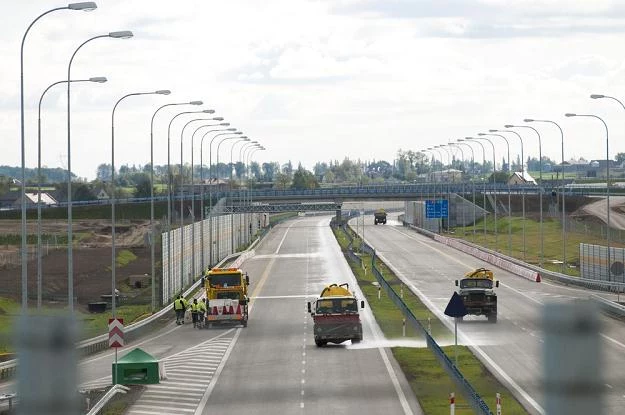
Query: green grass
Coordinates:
[552,241]
[92,324]
[427,378]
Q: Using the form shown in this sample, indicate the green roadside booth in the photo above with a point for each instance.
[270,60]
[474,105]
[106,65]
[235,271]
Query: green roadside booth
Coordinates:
[136,368]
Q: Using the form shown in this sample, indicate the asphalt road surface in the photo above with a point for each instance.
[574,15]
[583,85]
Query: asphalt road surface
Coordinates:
[273,365]
[512,348]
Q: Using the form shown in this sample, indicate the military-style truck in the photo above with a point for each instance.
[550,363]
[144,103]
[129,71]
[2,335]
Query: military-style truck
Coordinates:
[379,216]
[335,316]
[226,296]
[478,296]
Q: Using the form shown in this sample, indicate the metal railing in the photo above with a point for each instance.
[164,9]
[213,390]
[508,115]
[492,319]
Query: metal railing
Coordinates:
[473,398]
[115,389]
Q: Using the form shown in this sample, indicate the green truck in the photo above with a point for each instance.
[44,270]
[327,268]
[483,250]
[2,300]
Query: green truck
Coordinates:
[379,216]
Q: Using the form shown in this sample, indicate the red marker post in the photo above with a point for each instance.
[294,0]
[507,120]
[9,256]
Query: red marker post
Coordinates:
[452,403]
[498,404]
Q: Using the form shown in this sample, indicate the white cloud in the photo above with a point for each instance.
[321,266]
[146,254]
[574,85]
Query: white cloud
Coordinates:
[316,80]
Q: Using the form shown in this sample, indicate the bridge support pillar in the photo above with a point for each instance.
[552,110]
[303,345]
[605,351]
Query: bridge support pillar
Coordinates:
[338,216]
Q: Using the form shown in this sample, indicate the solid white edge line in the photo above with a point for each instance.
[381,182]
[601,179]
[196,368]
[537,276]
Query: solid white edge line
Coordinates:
[215,377]
[484,357]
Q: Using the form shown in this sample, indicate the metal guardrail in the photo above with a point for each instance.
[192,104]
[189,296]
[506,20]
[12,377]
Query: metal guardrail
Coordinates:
[115,389]
[608,306]
[474,399]
[598,285]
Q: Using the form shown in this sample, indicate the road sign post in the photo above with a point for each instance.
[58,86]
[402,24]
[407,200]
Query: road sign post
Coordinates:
[456,309]
[116,339]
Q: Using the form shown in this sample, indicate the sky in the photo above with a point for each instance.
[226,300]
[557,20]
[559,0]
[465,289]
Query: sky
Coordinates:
[314,80]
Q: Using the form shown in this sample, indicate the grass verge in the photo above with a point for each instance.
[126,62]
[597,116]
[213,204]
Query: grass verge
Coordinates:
[427,378]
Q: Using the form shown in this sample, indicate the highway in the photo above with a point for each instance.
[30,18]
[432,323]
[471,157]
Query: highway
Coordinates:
[513,347]
[273,365]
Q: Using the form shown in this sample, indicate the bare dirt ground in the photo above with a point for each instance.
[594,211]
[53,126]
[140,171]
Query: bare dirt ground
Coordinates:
[92,260]
[599,209]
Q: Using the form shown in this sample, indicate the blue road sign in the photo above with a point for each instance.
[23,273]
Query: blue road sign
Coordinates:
[456,307]
[438,208]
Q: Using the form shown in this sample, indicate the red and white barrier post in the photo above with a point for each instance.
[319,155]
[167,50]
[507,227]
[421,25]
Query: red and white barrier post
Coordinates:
[498,404]
[403,327]
[452,403]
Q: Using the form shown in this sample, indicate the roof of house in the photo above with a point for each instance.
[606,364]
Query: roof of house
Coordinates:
[45,198]
[525,177]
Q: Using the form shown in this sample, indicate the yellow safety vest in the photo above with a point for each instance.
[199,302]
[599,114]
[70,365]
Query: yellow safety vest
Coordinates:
[178,304]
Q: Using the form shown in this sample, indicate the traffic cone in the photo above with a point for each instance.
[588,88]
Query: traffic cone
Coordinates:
[239,310]
[231,310]
[215,311]
[537,277]
[225,310]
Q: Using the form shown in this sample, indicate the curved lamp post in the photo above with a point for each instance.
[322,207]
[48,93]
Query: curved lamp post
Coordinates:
[508,183]
[528,120]
[124,34]
[210,188]
[169,193]
[523,177]
[84,6]
[464,223]
[202,184]
[494,186]
[540,190]
[192,192]
[113,189]
[607,160]
[472,180]
[97,79]
[152,230]
[243,192]
[242,139]
[468,140]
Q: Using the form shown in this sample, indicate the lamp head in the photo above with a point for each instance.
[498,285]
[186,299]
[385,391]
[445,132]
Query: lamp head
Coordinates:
[225,124]
[460,139]
[123,34]
[163,92]
[98,79]
[218,118]
[237,132]
[596,96]
[85,6]
[196,103]
[481,134]
[231,129]
[528,120]
[245,138]
[469,138]
[510,125]
[208,111]
[493,131]
[569,114]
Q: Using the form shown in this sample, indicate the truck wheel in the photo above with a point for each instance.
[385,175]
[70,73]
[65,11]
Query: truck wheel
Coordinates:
[356,340]
[320,343]
[492,318]
[244,322]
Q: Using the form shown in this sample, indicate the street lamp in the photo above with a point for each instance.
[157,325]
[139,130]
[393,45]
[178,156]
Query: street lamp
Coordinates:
[464,224]
[540,190]
[152,230]
[523,177]
[508,183]
[607,161]
[113,188]
[472,179]
[210,185]
[563,196]
[84,6]
[97,79]
[241,139]
[249,157]
[243,193]
[202,182]
[494,185]
[182,193]
[169,194]
[124,34]
[472,140]
[219,224]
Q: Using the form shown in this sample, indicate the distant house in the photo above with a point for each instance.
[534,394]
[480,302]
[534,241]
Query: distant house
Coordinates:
[521,178]
[33,198]
[101,195]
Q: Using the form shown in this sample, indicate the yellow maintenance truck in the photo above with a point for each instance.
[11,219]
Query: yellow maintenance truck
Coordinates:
[226,296]
[335,314]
